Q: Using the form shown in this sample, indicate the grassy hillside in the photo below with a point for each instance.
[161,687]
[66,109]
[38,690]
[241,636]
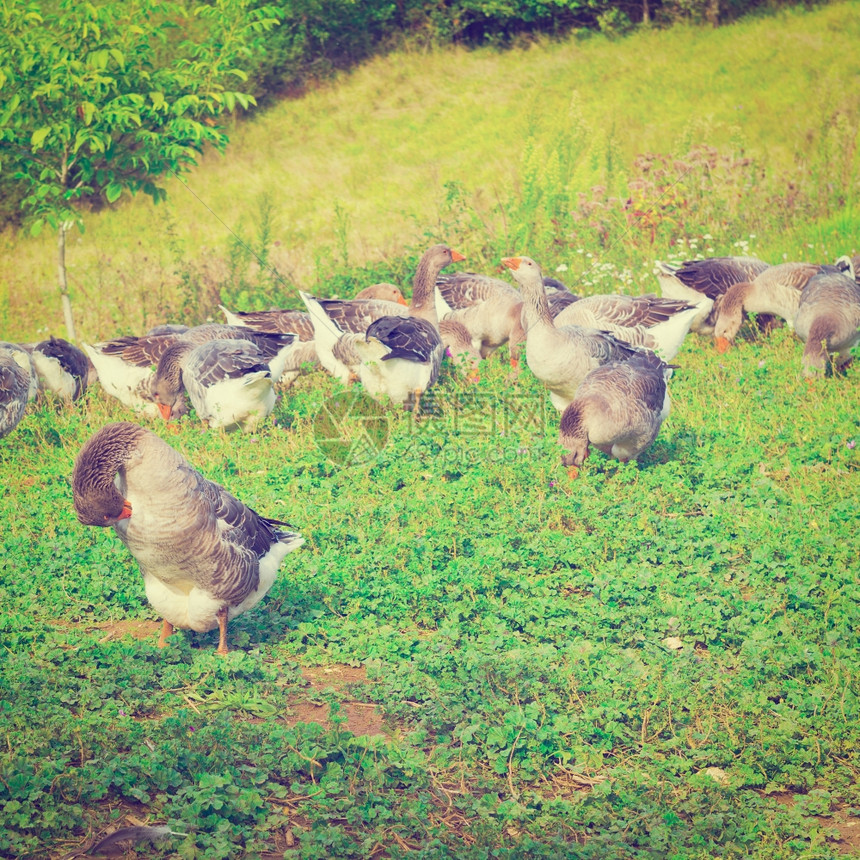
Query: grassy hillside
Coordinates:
[473,655]
[449,142]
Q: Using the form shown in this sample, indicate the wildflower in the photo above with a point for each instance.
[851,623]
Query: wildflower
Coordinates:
[561,267]
[552,483]
[851,444]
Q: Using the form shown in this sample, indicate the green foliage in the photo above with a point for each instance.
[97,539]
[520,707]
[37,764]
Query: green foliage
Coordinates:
[93,103]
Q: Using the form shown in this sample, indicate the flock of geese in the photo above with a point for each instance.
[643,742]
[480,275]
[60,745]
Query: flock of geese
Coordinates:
[605,361]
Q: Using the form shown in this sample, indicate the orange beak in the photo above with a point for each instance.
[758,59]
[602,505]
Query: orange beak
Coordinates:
[722,345]
[402,301]
[573,472]
[164,409]
[456,256]
[126,510]
[515,364]
[512,262]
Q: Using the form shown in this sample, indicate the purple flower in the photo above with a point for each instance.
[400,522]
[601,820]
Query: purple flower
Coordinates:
[552,483]
[851,444]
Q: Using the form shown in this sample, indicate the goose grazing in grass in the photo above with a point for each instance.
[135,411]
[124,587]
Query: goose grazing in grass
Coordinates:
[647,321]
[62,367]
[400,356]
[14,389]
[230,382]
[777,290]
[205,557]
[699,282]
[560,356]
[126,365]
[619,409]
[828,319]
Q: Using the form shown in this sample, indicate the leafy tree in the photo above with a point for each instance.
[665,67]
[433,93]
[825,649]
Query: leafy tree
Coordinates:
[101,97]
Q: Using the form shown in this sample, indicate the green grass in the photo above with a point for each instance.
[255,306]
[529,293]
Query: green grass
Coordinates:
[556,663]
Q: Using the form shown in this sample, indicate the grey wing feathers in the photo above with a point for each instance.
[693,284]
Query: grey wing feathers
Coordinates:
[217,360]
[407,338]
[464,289]
[355,315]
[279,322]
[714,275]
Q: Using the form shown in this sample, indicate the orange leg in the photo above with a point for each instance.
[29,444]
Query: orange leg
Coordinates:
[222,628]
[166,630]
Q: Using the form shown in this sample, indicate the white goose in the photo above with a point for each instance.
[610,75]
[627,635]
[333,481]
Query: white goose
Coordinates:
[699,282]
[561,357]
[828,319]
[777,290]
[62,367]
[401,356]
[619,409]
[205,557]
[14,390]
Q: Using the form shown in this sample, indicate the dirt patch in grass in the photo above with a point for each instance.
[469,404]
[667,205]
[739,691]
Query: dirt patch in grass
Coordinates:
[840,820]
[137,628]
[362,718]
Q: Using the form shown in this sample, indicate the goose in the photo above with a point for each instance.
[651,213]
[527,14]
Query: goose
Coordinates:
[126,365]
[304,356]
[561,357]
[14,390]
[828,320]
[62,367]
[457,340]
[776,290]
[298,322]
[24,359]
[619,409]
[229,382]
[488,307]
[647,321]
[205,557]
[400,356]
[332,318]
[699,282]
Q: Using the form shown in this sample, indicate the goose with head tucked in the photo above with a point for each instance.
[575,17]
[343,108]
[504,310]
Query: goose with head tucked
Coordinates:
[777,290]
[700,282]
[204,555]
[828,320]
[332,318]
[560,356]
[619,409]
